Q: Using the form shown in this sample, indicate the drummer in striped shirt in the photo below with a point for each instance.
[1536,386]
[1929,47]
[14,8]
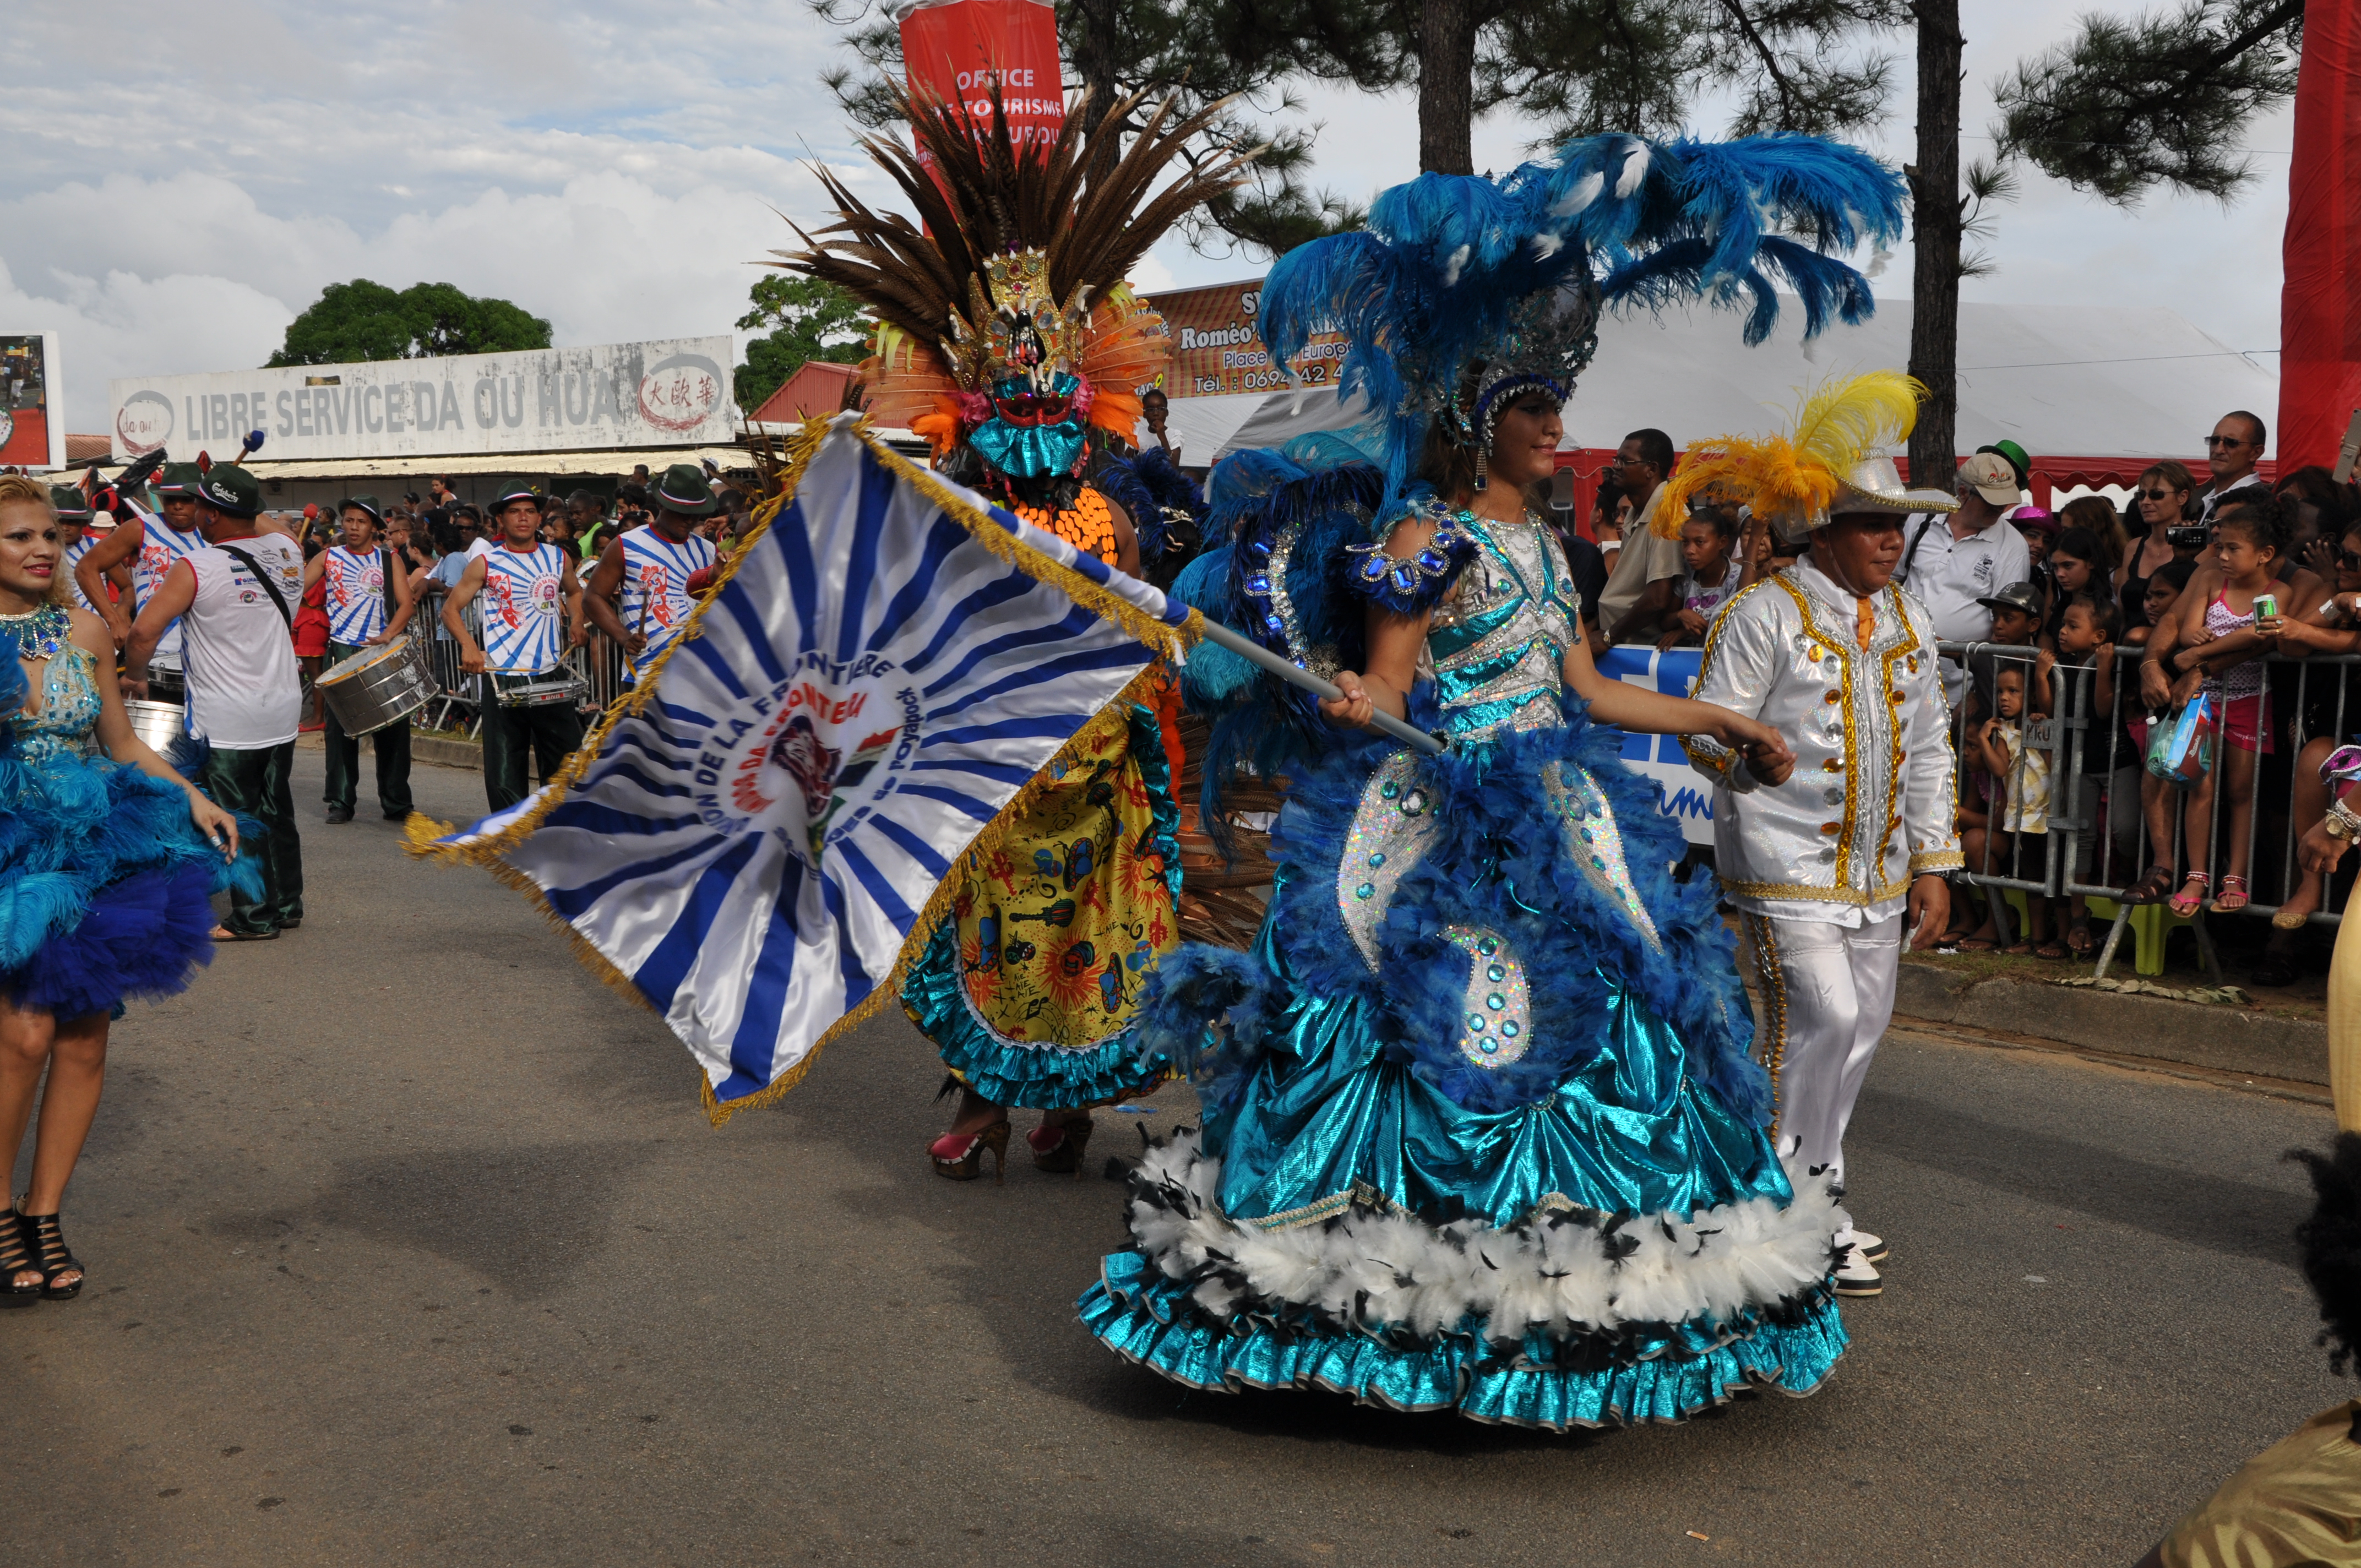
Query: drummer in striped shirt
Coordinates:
[75,537]
[649,569]
[528,591]
[370,602]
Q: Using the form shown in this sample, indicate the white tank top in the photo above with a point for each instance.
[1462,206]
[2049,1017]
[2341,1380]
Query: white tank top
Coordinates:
[355,596]
[244,693]
[656,586]
[521,601]
[161,546]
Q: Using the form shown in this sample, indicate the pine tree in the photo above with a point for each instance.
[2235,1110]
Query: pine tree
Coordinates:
[2160,100]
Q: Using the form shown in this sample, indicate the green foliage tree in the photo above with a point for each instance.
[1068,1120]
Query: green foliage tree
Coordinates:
[360,321]
[802,319]
[2128,104]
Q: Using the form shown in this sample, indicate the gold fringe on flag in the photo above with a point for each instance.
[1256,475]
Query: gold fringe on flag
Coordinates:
[1171,642]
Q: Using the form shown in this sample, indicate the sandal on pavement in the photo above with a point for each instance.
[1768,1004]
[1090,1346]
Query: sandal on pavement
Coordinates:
[2192,895]
[2234,887]
[1977,944]
[2078,937]
[2049,951]
[50,1255]
[17,1257]
[224,934]
[2017,949]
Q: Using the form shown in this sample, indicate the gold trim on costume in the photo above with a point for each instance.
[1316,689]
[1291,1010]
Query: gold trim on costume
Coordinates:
[1760,936]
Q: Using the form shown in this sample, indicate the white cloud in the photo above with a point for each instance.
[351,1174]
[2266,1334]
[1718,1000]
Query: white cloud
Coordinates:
[613,166]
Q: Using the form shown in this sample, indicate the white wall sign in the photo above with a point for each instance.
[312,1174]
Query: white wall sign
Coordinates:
[671,392]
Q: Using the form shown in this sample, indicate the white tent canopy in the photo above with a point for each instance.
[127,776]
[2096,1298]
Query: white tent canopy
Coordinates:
[2058,381]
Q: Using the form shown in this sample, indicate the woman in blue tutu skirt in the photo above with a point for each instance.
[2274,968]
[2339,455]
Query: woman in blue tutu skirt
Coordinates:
[1482,1129]
[108,863]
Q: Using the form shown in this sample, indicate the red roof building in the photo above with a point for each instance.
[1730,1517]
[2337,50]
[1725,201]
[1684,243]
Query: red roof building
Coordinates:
[819,388]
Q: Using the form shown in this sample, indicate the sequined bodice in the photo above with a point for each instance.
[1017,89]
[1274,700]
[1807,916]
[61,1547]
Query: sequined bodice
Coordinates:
[67,723]
[1499,638]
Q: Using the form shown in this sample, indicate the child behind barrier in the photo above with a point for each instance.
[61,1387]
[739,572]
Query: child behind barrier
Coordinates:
[1714,574]
[2013,785]
[2228,619]
[2085,642]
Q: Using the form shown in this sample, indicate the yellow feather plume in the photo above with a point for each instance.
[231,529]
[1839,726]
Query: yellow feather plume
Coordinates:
[1797,474]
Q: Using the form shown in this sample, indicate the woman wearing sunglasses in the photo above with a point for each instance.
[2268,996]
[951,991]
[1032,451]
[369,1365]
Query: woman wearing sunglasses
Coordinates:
[2163,496]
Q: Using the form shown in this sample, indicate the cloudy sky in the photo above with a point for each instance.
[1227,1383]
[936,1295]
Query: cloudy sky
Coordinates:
[173,199]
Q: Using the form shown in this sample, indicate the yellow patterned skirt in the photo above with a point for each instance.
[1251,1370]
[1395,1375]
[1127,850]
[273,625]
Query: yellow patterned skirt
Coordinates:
[1030,987]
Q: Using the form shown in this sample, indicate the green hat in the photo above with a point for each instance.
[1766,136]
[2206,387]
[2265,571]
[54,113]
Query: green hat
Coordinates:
[69,503]
[176,481]
[2016,460]
[369,504]
[683,489]
[227,487]
[517,489]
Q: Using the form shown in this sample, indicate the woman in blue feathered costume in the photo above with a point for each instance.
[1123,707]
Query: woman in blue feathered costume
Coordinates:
[1481,1131]
[108,862]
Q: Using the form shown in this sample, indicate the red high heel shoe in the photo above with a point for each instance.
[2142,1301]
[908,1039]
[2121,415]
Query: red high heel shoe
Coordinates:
[1058,1145]
[959,1156]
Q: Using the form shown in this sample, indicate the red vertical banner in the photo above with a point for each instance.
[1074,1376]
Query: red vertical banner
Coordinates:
[2319,304]
[955,50]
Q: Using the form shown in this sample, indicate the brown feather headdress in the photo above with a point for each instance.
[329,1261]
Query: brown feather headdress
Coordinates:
[1015,266]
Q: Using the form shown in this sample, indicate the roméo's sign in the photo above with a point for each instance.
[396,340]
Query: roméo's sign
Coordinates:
[671,392]
[1217,344]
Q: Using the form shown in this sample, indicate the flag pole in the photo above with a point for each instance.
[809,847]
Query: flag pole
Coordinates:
[1297,674]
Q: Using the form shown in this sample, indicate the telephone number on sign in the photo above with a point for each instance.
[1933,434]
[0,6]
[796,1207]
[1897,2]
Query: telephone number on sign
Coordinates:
[1261,380]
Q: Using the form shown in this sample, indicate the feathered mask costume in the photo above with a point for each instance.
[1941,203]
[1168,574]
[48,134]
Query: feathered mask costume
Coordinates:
[1005,325]
[1831,463]
[1464,292]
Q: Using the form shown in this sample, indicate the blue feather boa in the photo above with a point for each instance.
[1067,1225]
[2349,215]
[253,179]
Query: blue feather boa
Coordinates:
[1500,863]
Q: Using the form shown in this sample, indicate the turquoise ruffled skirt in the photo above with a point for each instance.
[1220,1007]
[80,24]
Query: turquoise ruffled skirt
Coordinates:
[1482,1131]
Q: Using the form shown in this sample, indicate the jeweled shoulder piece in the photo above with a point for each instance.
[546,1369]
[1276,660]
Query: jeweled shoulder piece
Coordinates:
[1413,584]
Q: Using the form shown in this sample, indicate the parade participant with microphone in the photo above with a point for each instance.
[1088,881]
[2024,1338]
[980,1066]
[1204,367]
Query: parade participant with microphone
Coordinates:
[370,603]
[525,582]
[234,599]
[650,569]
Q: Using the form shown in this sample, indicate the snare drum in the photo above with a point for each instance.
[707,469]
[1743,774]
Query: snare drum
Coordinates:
[159,724]
[379,686]
[549,690]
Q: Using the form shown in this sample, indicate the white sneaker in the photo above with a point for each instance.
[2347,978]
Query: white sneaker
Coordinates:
[1871,1248]
[1857,1277]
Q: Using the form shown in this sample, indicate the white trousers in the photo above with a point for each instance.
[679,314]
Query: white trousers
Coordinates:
[1828,994]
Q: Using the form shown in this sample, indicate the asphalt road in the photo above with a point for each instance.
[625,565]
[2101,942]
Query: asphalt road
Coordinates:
[410,1244]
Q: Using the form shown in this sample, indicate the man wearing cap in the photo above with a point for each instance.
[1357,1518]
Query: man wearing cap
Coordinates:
[150,544]
[234,597]
[1952,562]
[525,582]
[72,506]
[1836,866]
[650,567]
[370,603]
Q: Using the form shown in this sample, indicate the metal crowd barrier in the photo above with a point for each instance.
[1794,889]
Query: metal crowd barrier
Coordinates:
[2099,836]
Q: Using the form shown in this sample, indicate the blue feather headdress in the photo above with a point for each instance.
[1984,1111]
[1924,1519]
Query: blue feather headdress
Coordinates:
[1508,275]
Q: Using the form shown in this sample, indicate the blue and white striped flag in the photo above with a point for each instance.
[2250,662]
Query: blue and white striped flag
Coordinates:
[750,839]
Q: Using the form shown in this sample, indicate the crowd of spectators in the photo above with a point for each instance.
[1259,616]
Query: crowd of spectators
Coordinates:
[2082,637]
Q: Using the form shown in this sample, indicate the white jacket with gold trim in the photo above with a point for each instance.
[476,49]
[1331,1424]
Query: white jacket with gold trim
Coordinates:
[1873,801]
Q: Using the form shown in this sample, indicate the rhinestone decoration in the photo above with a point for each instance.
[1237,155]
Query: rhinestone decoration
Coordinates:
[1498,1021]
[1596,843]
[1390,832]
[1268,588]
